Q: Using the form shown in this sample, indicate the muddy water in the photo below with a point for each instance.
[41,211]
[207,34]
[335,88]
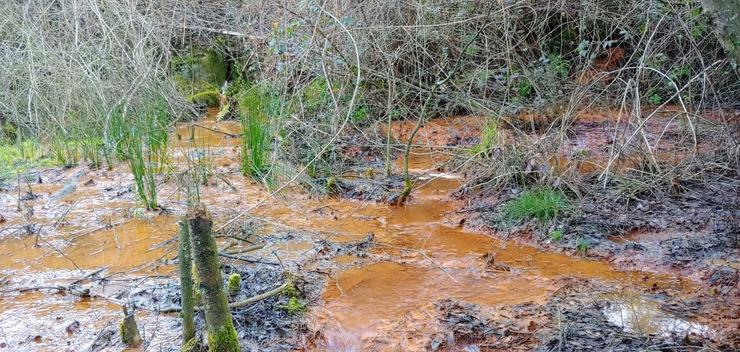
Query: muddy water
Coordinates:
[432,259]
[422,254]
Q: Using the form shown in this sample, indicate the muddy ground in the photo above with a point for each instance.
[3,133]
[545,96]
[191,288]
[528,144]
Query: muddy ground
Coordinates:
[440,272]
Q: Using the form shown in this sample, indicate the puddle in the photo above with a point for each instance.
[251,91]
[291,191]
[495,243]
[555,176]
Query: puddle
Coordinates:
[639,315]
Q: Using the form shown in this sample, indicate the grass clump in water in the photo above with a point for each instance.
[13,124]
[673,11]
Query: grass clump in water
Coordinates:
[542,204]
[143,144]
[256,106]
[66,153]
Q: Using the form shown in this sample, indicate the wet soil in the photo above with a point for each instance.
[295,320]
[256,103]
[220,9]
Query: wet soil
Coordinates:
[422,276]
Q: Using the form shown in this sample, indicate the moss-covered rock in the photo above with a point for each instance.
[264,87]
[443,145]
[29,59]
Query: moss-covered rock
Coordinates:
[234,284]
[205,98]
[129,330]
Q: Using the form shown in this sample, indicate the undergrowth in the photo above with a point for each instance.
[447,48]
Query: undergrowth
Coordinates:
[542,204]
[22,156]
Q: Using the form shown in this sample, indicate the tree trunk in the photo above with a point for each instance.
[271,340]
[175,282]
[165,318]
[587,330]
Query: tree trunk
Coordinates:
[186,284]
[129,330]
[726,18]
[221,332]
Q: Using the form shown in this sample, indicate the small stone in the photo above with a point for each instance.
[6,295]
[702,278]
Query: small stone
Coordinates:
[73,327]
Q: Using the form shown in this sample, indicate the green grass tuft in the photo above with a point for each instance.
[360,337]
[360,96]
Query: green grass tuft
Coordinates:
[19,157]
[556,235]
[256,106]
[541,203]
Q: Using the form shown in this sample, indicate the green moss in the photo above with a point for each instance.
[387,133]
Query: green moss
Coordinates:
[234,284]
[129,331]
[556,235]
[294,306]
[223,340]
[206,98]
[540,203]
[291,291]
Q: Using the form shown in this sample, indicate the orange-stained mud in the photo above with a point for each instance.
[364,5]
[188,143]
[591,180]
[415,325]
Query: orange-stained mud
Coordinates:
[422,253]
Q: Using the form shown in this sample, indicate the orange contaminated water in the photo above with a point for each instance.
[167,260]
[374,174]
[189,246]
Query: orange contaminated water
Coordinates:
[421,255]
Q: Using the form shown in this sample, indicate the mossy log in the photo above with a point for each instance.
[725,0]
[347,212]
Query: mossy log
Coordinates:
[186,284]
[220,327]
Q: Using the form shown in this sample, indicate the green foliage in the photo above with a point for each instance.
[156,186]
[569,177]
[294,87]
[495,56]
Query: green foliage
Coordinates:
[144,145]
[582,245]
[316,94]
[93,150]
[542,204]
[558,65]
[21,156]
[198,72]
[291,291]
[488,140]
[255,146]
[360,114]
[524,88]
[556,235]
[214,64]
[66,152]
[294,306]
[653,96]
[234,284]
[224,111]
[256,106]
[8,131]
[205,98]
